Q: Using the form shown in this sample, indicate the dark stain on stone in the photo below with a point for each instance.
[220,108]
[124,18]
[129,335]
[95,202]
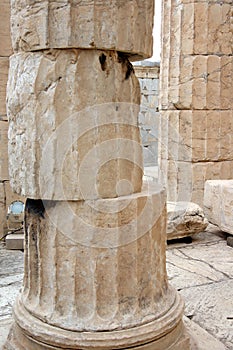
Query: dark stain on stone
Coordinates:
[123,58]
[103,62]
[35,207]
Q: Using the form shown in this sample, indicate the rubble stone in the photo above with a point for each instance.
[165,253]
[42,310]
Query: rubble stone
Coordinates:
[73,112]
[218,203]
[118,25]
[184,219]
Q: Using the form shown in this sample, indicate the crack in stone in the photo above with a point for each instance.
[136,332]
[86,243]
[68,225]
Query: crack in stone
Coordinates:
[204,262]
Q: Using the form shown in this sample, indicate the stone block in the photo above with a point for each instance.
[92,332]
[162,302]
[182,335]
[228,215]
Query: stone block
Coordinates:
[73,125]
[87,25]
[218,204]
[185,181]
[4,67]
[198,82]
[4,151]
[5,38]
[197,135]
[206,27]
[184,219]
[105,239]
[15,241]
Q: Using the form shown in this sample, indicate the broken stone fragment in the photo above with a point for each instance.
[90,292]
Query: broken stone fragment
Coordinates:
[184,219]
[73,125]
[218,204]
[124,26]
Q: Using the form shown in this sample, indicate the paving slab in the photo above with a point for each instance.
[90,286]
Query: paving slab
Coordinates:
[197,265]
[211,307]
[11,277]
[200,339]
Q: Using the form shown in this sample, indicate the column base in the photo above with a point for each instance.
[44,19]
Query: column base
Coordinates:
[165,333]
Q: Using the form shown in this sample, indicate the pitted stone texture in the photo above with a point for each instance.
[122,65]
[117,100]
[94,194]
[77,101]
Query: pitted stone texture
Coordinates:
[198,82]
[184,219]
[5,42]
[218,203]
[124,26]
[2,209]
[73,113]
[196,136]
[185,181]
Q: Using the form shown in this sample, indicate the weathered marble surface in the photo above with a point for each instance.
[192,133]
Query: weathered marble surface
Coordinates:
[198,82]
[107,259]
[184,219]
[11,275]
[197,135]
[72,113]
[124,26]
[218,203]
[196,99]
[199,264]
[211,305]
[186,180]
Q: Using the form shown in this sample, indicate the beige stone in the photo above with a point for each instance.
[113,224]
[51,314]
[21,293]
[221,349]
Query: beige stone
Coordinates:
[184,219]
[3,151]
[124,26]
[199,82]
[98,266]
[196,135]
[4,66]
[206,27]
[2,209]
[5,39]
[73,113]
[185,181]
[218,203]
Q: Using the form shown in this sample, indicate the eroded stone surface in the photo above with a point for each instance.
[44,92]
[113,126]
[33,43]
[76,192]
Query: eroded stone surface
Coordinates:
[212,306]
[218,203]
[196,136]
[184,219]
[124,26]
[73,113]
[94,248]
[198,82]
[186,180]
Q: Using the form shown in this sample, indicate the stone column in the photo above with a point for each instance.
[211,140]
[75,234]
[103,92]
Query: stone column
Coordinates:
[196,96]
[95,274]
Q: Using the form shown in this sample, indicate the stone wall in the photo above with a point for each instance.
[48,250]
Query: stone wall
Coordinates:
[6,195]
[148,75]
[196,96]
